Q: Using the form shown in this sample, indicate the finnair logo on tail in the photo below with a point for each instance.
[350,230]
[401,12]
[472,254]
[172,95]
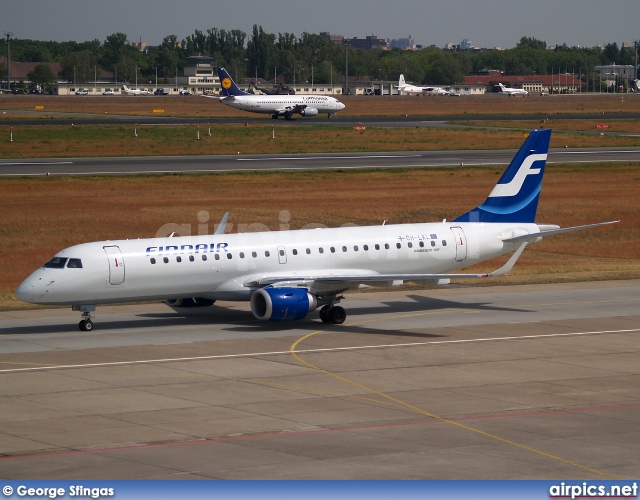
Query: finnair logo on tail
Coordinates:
[513,187]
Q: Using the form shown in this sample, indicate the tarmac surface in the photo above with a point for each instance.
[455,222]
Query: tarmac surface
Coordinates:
[39,167]
[524,382]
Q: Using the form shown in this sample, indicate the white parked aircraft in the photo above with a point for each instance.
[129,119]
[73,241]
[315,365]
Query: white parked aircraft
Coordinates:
[287,274]
[129,91]
[404,87]
[275,105]
[511,91]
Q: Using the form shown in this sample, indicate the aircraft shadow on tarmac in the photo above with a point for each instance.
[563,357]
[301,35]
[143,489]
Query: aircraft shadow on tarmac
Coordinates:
[243,322]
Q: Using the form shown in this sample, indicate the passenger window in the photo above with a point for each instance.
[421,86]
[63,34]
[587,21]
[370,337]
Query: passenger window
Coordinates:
[178,259]
[242,255]
[398,245]
[344,249]
[410,245]
[56,263]
[355,248]
[153,261]
[433,243]
[165,260]
[421,244]
[365,248]
[266,253]
[74,264]
[229,256]
[308,251]
[333,249]
[386,246]
[321,250]
[217,256]
[191,258]
[204,257]
[281,253]
[254,255]
[444,243]
[294,252]
[377,247]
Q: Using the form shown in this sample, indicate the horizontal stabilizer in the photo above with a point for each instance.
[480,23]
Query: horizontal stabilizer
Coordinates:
[534,237]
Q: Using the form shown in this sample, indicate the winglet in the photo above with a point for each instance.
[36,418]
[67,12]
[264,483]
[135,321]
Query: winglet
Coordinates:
[223,224]
[510,263]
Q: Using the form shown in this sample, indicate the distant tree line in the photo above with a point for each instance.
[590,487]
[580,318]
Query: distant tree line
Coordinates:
[302,58]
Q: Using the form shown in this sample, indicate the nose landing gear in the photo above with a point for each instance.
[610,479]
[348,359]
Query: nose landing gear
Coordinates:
[86,324]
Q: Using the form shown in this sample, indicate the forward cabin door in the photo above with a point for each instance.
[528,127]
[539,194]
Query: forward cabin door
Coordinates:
[461,243]
[116,265]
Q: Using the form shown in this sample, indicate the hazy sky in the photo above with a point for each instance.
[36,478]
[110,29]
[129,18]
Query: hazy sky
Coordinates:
[486,23]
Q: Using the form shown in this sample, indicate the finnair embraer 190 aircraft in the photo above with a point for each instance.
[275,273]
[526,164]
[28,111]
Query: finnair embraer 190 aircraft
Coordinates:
[287,274]
[275,105]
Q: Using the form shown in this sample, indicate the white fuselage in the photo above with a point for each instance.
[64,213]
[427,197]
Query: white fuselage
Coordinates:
[228,266]
[412,89]
[277,104]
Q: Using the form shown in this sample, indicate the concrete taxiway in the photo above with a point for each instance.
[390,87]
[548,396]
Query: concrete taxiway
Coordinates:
[153,165]
[538,381]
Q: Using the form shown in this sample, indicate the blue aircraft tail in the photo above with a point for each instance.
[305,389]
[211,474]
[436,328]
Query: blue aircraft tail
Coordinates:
[515,196]
[229,87]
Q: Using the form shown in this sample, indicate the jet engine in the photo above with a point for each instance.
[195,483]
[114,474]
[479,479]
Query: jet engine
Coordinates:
[309,112]
[282,304]
[191,302]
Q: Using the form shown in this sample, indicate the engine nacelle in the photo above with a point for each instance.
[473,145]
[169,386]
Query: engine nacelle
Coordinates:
[309,112]
[282,304]
[192,302]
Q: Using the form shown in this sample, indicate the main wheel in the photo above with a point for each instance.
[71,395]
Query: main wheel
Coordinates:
[324,314]
[337,315]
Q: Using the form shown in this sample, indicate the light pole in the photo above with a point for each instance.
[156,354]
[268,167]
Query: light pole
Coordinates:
[346,66]
[8,35]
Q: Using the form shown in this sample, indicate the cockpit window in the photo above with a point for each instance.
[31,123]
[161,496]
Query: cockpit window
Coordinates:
[75,263]
[56,263]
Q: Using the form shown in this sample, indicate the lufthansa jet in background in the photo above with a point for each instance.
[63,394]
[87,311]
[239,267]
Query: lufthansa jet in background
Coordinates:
[275,105]
[511,91]
[288,274]
[404,87]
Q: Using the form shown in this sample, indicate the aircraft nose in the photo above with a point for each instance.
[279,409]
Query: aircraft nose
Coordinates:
[32,290]
[25,291]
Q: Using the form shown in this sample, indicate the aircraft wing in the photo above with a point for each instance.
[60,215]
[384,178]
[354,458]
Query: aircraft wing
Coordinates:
[291,109]
[337,281]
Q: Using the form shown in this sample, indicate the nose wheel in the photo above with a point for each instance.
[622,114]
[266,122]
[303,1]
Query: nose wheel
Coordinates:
[86,325]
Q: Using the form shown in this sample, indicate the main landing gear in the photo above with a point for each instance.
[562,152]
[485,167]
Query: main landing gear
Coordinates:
[333,314]
[86,324]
